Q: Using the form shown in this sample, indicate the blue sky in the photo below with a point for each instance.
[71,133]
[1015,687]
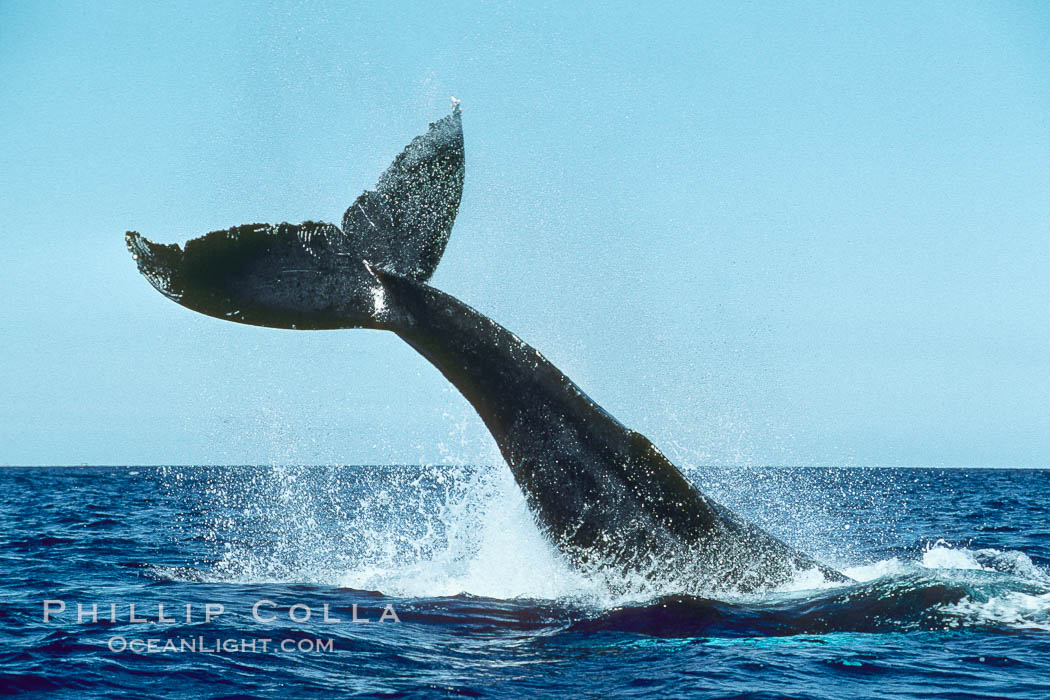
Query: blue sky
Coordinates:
[761,233]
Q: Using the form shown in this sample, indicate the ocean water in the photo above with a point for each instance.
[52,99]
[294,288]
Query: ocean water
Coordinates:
[952,597]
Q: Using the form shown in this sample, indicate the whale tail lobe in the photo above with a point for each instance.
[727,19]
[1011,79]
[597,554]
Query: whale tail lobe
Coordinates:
[316,275]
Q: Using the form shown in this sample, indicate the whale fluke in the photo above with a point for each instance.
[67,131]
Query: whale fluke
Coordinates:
[315,275]
[404,223]
[602,493]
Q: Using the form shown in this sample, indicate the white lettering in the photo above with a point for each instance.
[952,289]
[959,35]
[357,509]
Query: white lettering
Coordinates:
[389,614]
[213,610]
[299,606]
[260,618]
[93,612]
[327,618]
[131,615]
[160,614]
[53,606]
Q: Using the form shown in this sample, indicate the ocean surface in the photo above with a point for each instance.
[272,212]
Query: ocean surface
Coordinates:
[952,598]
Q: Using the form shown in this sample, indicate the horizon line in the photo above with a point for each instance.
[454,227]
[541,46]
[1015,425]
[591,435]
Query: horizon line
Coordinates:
[84,465]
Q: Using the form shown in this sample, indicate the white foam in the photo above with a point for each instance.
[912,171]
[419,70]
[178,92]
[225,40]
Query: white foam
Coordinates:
[490,547]
[872,571]
[941,555]
[378,300]
[1013,609]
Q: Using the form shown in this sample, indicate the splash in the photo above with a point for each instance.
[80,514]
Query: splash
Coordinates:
[409,531]
[481,541]
[406,531]
[942,555]
[433,531]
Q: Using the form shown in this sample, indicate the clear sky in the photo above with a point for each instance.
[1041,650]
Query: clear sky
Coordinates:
[763,233]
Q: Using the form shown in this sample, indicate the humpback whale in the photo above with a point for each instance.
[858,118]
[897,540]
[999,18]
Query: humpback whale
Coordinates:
[602,493]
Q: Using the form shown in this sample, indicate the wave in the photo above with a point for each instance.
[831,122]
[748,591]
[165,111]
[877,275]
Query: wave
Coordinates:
[911,598]
[435,534]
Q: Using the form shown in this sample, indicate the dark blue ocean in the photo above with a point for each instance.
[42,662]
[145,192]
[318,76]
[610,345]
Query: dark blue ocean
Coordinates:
[952,598]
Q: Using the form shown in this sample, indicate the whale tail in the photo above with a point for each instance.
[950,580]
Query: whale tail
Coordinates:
[316,275]
[601,492]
